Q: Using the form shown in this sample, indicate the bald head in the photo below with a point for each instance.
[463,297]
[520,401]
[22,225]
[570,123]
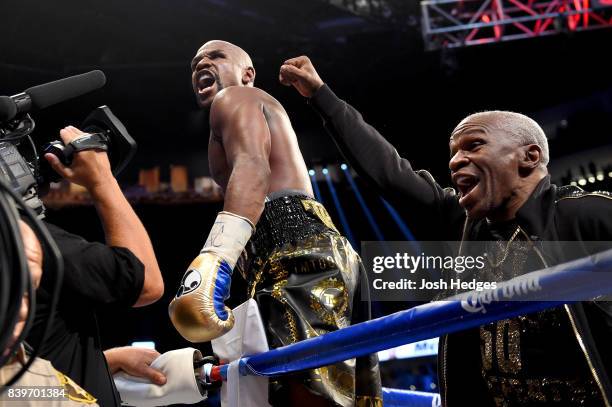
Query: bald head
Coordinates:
[518,126]
[235,53]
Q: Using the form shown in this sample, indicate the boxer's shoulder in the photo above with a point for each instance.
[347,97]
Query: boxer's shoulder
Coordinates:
[234,96]
[241,93]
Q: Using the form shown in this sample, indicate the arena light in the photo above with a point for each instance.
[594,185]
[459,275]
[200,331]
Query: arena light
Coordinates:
[325,171]
[343,167]
[591,179]
[600,176]
[582,182]
[315,185]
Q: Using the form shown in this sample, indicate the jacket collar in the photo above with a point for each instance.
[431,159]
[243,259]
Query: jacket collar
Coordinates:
[536,214]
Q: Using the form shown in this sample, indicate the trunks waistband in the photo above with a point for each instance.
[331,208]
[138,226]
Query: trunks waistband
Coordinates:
[287,192]
[288,218]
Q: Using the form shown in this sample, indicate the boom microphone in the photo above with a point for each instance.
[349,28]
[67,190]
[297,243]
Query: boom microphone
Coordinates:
[45,95]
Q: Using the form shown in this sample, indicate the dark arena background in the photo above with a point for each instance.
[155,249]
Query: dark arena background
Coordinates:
[413,68]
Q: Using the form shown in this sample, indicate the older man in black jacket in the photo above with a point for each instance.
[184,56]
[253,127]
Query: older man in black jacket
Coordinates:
[558,357]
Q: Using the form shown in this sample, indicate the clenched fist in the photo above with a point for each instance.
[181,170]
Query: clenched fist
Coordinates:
[301,74]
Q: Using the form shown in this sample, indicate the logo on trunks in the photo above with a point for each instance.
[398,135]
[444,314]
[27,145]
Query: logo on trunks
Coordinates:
[328,298]
[191,280]
[475,302]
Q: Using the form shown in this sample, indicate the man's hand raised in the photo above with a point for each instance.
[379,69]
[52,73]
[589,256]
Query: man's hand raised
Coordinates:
[301,74]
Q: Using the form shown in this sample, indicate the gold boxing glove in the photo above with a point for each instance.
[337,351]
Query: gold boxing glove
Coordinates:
[198,311]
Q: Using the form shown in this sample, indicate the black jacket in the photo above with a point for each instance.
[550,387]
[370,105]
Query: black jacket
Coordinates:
[550,214]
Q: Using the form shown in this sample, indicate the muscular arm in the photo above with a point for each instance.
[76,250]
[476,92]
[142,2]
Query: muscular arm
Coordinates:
[238,120]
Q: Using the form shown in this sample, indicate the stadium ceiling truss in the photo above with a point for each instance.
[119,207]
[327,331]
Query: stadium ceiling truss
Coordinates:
[460,23]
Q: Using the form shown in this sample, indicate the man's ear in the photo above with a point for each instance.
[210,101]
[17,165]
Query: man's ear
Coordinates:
[248,76]
[531,157]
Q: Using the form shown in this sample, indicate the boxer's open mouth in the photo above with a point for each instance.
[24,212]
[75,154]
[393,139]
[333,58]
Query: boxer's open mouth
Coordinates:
[205,81]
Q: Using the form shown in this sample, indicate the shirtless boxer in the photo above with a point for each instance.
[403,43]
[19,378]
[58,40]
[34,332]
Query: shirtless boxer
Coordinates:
[303,274]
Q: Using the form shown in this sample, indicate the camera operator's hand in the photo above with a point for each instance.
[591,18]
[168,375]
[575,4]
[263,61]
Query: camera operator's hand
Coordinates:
[90,168]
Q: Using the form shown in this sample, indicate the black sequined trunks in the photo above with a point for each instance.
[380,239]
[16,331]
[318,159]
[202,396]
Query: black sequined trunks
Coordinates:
[305,276]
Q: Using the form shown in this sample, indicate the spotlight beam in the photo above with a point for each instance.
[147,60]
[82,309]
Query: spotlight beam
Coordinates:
[341,215]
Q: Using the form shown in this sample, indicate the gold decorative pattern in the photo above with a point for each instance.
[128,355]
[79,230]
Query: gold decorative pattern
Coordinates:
[368,401]
[276,290]
[73,391]
[531,391]
[486,347]
[253,284]
[320,212]
[511,362]
[291,322]
[292,325]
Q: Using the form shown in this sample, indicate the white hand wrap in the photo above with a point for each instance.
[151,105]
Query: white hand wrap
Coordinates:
[228,236]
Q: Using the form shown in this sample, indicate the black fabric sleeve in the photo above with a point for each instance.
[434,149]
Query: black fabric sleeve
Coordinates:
[97,274]
[375,159]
